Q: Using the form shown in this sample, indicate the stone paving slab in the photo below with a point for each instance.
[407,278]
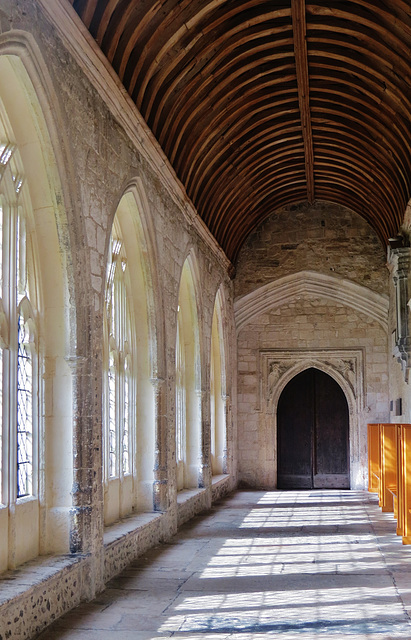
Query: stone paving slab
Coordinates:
[284,565]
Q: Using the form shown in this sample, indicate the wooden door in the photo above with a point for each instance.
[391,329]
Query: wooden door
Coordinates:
[313,433]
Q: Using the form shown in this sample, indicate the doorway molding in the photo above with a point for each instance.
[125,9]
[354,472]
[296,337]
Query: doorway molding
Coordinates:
[345,366]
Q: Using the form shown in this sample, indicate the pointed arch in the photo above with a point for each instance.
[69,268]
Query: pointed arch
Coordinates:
[313,432]
[146,234]
[326,367]
[188,379]
[310,283]
[130,427]
[218,389]
[36,250]
[328,363]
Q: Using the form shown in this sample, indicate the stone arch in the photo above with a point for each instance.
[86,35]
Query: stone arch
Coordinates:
[134,491]
[33,128]
[328,363]
[190,266]
[34,74]
[146,234]
[218,387]
[310,283]
[325,367]
[189,393]
[220,307]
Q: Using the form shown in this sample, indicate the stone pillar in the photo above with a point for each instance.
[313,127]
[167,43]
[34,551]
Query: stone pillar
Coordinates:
[86,528]
[228,430]
[160,489]
[204,468]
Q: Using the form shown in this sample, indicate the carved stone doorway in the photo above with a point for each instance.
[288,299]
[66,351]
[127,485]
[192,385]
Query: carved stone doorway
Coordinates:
[313,433]
[277,367]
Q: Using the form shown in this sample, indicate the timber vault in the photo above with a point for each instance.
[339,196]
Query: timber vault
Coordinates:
[196,200]
[260,104]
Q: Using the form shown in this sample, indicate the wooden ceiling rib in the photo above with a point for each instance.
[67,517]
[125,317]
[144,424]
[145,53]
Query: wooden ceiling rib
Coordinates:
[259,104]
[301,63]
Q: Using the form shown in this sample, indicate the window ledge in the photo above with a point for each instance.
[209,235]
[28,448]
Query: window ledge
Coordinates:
[130,524]
[186,494]
[26,500]
[219,478]
[16,582]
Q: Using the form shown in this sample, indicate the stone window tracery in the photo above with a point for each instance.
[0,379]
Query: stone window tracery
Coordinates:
[218,397]
[128,390]
[118,370]
[180,395]
[188,393]
[19,361]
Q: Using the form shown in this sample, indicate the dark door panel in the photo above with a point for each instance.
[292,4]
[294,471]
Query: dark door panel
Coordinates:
[331,481]
[331,427]
[313,430]
[295,436]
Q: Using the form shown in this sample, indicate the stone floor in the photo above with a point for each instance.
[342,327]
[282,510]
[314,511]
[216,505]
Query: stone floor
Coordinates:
[295,564]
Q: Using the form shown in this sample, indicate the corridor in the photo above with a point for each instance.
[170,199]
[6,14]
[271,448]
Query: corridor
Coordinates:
[281,564]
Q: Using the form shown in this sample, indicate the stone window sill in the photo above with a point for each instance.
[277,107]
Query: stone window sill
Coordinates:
[128,525]
[186,494]
[16,582]
[219,478]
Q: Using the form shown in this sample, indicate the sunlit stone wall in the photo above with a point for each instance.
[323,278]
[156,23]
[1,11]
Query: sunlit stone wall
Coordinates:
[321,325]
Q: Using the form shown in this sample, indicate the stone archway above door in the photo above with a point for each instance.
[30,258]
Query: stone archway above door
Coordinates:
[346,366]
[311,284]
[277,367]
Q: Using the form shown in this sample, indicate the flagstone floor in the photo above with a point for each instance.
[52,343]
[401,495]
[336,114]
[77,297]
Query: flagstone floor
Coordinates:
[278,564]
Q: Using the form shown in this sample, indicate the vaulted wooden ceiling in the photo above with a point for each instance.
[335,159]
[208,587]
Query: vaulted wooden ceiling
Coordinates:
[264,103]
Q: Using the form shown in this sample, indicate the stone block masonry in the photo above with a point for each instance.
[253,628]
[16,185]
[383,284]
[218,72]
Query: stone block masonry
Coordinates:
[326,332]
[327,244]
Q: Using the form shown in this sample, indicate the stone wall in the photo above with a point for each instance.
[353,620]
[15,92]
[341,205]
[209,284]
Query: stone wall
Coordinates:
[38,593]
[101,147]
[325,238]
[312,291]
[315,333]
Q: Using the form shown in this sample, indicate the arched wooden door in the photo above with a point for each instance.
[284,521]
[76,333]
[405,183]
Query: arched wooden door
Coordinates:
[313,433]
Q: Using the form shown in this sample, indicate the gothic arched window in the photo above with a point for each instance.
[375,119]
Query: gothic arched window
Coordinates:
[129,425]
[19,357]
[188,396]
[218,392]
[119,381]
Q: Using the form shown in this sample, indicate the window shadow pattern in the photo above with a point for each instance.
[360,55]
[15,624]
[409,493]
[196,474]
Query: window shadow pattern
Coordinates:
[281,564]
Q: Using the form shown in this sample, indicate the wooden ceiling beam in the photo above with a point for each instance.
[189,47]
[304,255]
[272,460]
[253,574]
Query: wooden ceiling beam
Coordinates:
[301,63]
[249,122]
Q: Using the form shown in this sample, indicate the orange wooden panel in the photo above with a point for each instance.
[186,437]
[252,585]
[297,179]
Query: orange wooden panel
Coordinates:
[388,465]
[373,457]
[400,483]
[405,507]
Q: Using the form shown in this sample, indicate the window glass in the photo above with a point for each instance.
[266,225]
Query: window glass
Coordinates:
[118,374]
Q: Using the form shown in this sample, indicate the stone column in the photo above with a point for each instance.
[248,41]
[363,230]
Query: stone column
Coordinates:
[160,492]
[228,429]
[87,525]
[204,468]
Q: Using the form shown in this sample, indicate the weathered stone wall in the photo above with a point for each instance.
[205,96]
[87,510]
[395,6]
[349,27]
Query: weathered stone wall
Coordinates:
[38,593]
[126,541]
[325,237]
[97,159]
[305,327]
[312,330]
